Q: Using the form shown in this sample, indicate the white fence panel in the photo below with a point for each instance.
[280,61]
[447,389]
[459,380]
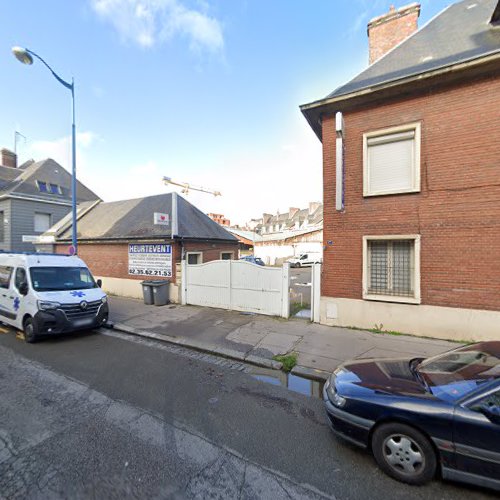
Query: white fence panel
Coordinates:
[238,285]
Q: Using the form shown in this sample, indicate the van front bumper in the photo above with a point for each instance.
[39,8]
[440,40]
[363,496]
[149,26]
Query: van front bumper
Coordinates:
[56,322]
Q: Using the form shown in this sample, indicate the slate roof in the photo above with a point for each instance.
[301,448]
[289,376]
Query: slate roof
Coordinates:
[461,33]
[133,219]
[22,181]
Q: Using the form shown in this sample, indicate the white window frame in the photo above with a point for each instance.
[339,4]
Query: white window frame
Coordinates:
[416,299]
[194,253]
[229,252]
[34,222]
[416,127]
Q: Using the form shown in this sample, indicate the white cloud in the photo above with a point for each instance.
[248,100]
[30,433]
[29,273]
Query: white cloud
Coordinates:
[151,22]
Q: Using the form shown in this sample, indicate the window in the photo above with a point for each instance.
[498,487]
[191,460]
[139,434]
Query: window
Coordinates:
[391,159]
[20,279]
[226,255]
[391,268]
[5,274]
[2,226]
[194,258]
[55,189]
[41,222]
[42,187]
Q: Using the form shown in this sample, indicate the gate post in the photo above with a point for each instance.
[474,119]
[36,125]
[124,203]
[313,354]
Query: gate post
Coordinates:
[315,293]
[184,282]
[285,290]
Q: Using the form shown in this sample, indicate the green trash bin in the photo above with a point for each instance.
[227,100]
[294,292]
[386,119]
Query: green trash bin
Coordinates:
[160,292]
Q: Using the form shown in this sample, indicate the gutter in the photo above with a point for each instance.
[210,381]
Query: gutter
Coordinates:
[338,102]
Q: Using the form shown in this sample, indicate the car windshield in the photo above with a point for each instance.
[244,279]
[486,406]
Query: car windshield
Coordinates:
[452,375]
[51,279]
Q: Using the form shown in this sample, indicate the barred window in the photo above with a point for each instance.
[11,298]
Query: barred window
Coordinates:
[391,267]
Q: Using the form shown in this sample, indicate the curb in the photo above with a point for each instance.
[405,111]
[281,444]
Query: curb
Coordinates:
[311,373]
[202,347]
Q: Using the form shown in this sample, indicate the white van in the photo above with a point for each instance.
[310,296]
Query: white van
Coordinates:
[306,259]
[46,294]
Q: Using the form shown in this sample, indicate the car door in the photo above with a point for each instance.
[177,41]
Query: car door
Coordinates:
[8,312]
[477,437]
[21,299]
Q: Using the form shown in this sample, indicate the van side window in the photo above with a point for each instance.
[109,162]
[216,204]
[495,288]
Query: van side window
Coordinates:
[20,279]
[5,274]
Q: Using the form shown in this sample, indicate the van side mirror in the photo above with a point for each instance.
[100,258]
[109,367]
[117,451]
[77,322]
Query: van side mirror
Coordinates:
[99,283]
[23,288]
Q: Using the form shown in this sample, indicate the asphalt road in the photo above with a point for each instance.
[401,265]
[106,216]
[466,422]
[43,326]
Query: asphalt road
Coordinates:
[111,416]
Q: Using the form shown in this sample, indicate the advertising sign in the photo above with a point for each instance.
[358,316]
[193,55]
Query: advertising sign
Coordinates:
[161,219]
[150,260]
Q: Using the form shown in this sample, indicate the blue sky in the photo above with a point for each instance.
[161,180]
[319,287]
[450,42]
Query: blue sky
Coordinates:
[204,91]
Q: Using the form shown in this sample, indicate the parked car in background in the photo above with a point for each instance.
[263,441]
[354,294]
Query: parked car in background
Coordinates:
[253,260]
[420,416]
[305,259]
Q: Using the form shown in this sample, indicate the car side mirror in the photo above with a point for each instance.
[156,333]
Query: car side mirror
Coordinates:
[99,283]
[492,413]
[23,289]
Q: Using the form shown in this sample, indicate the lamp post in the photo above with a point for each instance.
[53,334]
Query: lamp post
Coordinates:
[26,57]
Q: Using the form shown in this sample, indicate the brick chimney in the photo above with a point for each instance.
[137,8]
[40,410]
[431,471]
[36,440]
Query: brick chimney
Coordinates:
[8,158]
[386,31]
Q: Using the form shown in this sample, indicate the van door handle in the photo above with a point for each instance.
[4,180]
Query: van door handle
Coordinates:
[11,296]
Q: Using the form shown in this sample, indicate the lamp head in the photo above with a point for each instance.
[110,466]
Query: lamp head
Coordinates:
[22,55]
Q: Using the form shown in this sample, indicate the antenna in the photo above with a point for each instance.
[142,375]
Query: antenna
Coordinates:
[186,187]
[17,135]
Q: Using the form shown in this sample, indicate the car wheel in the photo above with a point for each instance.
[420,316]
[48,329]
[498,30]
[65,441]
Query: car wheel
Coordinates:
[30,331]
[404,453]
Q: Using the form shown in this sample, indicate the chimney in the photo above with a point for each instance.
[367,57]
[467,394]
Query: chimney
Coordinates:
[386,31]
[313,206]
[8,158]
[292,211]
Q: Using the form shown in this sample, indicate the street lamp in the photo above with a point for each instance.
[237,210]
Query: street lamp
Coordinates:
[26,57]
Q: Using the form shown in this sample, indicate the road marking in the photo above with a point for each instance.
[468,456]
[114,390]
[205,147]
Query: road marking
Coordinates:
[4,329]
[20,335]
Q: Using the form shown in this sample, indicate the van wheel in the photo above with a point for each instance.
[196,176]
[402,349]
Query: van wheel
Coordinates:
[404,453]
[30,331]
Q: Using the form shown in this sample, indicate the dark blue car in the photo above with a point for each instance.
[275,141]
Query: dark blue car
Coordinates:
[423,416]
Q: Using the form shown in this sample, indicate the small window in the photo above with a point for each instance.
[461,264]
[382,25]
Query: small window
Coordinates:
[42,187]
[5,274]
[392,161]
[41,222]
[194,258]
[303,257]
[20,279]
[492,401]
[226,255]
[55,189]
[391,269]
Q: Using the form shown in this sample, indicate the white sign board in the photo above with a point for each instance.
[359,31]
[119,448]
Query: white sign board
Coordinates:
[150,260]
[38,239]
[161,219]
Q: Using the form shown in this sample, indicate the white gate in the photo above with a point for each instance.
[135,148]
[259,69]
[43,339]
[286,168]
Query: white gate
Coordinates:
[237,285]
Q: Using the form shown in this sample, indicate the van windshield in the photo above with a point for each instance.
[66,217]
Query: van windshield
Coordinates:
[51,279]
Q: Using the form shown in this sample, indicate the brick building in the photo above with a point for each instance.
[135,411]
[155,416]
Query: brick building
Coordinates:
[126,242]
[411,178]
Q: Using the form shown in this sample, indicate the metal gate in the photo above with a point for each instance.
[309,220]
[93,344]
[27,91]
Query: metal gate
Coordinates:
[237,285]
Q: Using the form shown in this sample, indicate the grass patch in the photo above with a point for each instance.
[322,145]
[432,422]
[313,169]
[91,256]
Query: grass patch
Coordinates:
[295,307]
[288,360]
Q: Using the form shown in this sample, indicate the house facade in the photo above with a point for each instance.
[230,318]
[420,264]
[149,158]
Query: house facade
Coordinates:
[411,179]
[33,197]
[126,242]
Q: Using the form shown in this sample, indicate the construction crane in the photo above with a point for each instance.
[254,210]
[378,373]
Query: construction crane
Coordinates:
[186,187]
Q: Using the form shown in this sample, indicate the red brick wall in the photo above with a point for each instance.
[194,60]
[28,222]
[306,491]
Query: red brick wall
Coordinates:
[457,212]
[111,259]
[387,31]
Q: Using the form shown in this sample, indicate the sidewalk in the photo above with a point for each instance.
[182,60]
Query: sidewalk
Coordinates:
[319,347]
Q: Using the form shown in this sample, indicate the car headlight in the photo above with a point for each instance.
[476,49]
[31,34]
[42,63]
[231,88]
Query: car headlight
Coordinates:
[104,299]
[333,395]
[48,306]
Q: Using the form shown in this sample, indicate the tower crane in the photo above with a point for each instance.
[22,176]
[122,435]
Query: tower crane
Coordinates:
[186,187]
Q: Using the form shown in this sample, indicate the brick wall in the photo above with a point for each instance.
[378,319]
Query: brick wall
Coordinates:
[457,212]
[111,259]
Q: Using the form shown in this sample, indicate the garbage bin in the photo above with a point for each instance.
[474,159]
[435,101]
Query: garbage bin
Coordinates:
[160,292]
[147,293]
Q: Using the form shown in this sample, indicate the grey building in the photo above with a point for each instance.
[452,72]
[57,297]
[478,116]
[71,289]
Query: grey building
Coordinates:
[33,197]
